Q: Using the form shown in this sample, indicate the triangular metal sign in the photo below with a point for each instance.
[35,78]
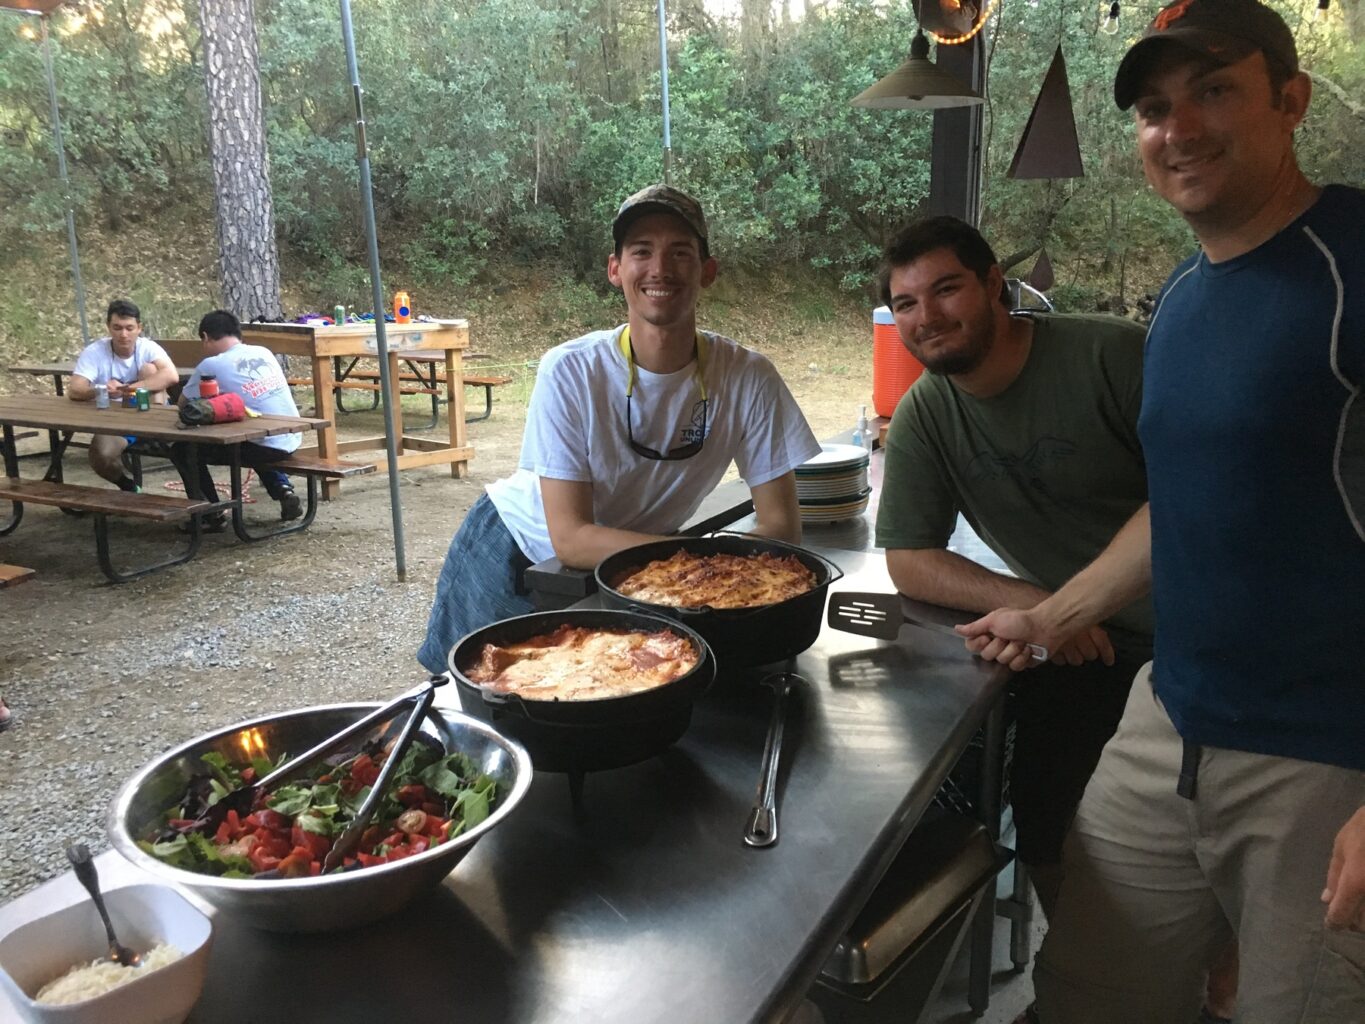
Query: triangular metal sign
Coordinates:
[1041,276]
[1049,147]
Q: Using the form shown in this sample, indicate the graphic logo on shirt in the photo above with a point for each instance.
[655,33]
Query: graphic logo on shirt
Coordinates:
[1025,470]
[264,376]
[698,428]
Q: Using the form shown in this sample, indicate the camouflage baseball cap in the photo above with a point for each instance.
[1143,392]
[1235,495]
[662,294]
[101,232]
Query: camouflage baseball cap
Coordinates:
[1224,30]
[659,199]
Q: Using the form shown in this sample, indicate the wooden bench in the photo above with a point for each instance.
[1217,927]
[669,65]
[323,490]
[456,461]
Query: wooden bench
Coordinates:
[307,465]
[13,575]
[104,502]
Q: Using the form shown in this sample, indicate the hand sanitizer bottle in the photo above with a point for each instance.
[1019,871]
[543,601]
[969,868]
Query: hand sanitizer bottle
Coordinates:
[862,435]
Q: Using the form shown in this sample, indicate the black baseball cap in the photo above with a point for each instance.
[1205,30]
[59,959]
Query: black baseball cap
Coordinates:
[1224,30]
[659,199]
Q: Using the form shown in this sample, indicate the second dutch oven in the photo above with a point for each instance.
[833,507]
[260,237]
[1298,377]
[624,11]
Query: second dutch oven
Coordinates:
[738,636]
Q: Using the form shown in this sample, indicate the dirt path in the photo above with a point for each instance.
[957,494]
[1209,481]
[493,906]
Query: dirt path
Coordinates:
[102,678]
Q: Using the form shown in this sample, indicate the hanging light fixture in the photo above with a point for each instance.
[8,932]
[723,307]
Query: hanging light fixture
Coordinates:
[917,84]
[1109,25]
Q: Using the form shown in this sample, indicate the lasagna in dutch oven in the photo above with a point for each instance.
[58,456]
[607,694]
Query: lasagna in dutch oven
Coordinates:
[685,580]
[583,663]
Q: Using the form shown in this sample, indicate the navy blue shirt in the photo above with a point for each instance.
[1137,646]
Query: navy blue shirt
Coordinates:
[1254,431]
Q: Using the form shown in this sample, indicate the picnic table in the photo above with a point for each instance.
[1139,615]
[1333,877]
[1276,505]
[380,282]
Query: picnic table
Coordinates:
[644,906]
[321,344]
[61,418]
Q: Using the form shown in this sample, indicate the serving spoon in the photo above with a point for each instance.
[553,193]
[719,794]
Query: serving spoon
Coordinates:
[81,863]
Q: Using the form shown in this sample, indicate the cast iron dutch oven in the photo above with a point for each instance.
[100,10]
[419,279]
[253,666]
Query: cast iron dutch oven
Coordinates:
[738,636]
[583,735]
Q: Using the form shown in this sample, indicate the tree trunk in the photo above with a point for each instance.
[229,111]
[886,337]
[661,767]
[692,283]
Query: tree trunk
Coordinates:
[248,262]
[1354,10]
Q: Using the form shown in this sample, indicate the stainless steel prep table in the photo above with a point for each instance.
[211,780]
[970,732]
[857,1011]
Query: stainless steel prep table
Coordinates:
[650,909]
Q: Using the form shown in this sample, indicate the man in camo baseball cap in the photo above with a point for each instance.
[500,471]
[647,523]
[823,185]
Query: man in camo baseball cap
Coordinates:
[661,199]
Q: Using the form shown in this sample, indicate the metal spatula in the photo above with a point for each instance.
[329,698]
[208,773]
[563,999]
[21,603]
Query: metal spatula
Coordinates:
[882,615]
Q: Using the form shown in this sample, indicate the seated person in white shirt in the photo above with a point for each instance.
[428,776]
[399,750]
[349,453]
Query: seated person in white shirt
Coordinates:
[123,361]
[629,429]
[253,372]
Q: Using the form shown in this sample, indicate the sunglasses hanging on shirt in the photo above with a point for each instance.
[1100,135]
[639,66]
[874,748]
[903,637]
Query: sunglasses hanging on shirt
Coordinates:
[685,451]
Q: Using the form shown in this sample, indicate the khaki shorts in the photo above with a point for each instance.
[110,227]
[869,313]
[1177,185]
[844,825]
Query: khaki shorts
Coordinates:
[1156,884]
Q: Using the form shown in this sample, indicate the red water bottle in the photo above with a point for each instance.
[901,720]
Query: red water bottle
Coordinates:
[208,386]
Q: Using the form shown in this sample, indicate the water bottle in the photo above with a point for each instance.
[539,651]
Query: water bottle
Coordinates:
[101,396]
[402,308]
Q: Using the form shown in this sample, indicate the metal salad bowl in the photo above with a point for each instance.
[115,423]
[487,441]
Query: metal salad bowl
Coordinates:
[325,902]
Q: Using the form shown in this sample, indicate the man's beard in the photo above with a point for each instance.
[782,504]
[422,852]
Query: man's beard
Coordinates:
[966,358]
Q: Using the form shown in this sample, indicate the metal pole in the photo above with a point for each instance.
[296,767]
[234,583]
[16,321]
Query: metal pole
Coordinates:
[66,184]
[362,156]
[663,69]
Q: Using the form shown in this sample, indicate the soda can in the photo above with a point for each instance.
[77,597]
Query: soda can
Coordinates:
[144,399]
[101,396]
[339,314]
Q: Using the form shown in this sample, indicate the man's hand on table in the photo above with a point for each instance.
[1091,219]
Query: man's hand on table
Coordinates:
[1004,635]
[1345,892]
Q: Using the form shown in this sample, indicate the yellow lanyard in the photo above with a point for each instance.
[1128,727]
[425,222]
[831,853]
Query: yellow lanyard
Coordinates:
[628,354]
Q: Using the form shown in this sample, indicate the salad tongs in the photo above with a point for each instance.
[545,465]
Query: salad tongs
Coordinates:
[346,842]
[243,799]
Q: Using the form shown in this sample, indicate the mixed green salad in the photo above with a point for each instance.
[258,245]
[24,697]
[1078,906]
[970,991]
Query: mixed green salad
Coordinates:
[433,798]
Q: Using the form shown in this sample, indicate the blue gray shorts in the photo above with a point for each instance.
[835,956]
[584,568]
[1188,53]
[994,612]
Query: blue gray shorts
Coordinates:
[479,583]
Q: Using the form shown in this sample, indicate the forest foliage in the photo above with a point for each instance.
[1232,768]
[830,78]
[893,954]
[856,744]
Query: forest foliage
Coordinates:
[509,129]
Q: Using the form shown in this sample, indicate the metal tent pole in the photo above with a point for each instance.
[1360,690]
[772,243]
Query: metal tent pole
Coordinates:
[663,69]
[362,156]
[66,184]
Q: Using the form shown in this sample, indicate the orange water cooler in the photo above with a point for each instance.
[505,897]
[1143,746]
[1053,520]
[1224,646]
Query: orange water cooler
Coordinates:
[894,369]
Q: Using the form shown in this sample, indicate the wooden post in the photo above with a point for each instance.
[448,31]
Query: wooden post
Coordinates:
[455,407]
[324,407]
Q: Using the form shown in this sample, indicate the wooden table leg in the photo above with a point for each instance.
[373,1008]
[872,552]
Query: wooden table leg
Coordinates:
[455,407]
[396,398]
[324,405]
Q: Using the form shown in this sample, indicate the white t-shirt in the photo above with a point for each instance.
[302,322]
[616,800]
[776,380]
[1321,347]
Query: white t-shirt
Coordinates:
[98,363]
[576,430]
[254,373]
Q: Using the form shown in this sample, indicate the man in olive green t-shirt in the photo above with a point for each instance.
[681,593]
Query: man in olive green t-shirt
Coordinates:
[1027,425]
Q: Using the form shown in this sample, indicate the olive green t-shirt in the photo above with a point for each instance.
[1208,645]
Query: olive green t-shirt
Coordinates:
[1046,472]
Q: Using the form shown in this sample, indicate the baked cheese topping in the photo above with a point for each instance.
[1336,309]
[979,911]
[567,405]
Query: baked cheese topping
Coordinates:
[685,580]
[583,663]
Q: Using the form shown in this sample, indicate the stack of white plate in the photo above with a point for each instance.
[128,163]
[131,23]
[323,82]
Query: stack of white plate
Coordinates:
[833,485]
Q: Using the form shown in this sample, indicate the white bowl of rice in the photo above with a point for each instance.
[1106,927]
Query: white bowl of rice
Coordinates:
[56,970]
